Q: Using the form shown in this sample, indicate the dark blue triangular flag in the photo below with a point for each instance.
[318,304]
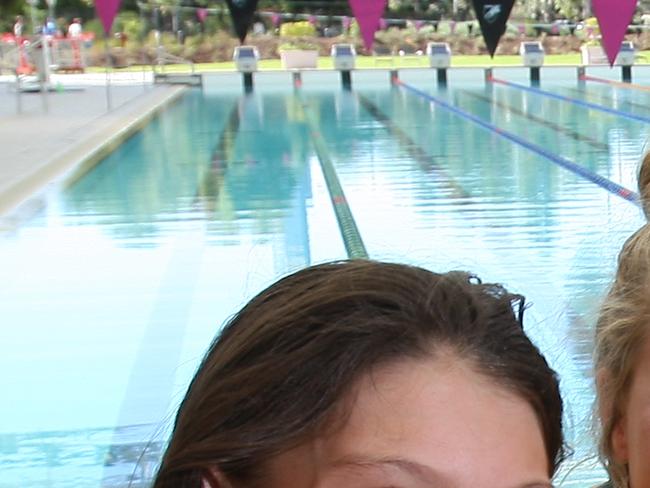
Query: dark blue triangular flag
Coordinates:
[242,12]
[493,15]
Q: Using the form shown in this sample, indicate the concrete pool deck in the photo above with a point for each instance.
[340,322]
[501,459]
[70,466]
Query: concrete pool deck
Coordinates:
[50,139]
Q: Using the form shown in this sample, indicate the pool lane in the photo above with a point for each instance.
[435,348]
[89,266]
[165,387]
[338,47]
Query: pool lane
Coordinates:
[574,101]
[119,286]
[590,94]
[540,230]
[595,178]
[426,161]
[558,128]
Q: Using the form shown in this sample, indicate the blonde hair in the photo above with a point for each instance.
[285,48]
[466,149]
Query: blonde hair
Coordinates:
[622,326]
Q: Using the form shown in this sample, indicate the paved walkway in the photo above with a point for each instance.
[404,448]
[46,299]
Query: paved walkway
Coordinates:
[43,138]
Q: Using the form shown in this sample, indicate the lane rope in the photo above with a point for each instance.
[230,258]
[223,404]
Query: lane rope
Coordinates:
[352,240]
[601,181]
[617,84]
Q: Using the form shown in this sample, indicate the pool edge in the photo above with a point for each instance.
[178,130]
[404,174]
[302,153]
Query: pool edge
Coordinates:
[27,193]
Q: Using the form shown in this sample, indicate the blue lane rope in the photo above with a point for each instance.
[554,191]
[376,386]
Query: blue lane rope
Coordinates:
[601,181]
[574,101]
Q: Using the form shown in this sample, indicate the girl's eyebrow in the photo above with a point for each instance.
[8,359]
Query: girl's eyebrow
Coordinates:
[420,472]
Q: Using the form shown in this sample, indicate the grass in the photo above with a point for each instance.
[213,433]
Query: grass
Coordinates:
[370,62]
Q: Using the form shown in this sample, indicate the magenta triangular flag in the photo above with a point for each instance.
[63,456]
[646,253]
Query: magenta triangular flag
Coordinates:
[368,13]
[614,16]
[106,11]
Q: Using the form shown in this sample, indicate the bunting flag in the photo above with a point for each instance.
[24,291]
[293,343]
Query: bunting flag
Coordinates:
[242,12]
[106,11]
[492,15]
[368,13]
[613,16]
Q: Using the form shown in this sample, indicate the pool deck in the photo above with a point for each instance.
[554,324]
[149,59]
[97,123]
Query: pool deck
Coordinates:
[50,139]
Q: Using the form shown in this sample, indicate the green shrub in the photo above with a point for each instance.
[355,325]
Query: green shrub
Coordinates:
[355,30]
[130,24]
[297,29]
[94,26]
[298,46]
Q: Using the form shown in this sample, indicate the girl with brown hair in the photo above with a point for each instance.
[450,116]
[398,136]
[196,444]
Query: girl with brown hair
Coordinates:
[370,375]
[623,359]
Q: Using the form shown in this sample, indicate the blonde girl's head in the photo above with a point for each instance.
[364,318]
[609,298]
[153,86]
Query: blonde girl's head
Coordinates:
[622,330]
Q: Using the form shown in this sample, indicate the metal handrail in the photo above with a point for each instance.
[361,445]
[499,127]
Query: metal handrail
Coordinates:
[163,58]
[9,59]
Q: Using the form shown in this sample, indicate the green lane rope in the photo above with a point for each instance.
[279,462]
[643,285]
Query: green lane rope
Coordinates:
[349,230]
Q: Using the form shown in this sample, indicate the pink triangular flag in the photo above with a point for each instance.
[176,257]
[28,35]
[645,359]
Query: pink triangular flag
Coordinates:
[614,16]
[368,13]
[107,10]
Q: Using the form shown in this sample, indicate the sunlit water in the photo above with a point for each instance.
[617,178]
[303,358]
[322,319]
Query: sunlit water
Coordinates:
[112,292]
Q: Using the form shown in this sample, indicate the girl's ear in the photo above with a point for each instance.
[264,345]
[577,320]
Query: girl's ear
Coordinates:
[213,478]
[620,449]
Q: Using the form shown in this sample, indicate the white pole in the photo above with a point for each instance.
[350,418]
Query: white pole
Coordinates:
[44,77]
[32,15]
[108,78]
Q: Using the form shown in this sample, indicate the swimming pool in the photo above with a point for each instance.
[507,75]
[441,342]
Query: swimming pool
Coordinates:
[115,289]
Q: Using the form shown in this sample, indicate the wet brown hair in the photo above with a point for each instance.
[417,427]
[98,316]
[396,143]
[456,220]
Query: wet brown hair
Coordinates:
[275,376]
[623,326]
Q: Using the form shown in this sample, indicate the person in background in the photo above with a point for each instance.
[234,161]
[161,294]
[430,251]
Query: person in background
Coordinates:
[50,29]
[74,29]
[368,374]
[622,359]
[19,26]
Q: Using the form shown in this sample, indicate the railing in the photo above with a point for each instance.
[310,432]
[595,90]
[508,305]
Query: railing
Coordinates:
[164,58]
[9,57]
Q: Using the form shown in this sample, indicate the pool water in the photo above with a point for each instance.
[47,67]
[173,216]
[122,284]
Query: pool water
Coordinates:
[115,288]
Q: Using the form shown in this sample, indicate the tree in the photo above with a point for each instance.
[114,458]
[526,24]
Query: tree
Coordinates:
[571,9]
